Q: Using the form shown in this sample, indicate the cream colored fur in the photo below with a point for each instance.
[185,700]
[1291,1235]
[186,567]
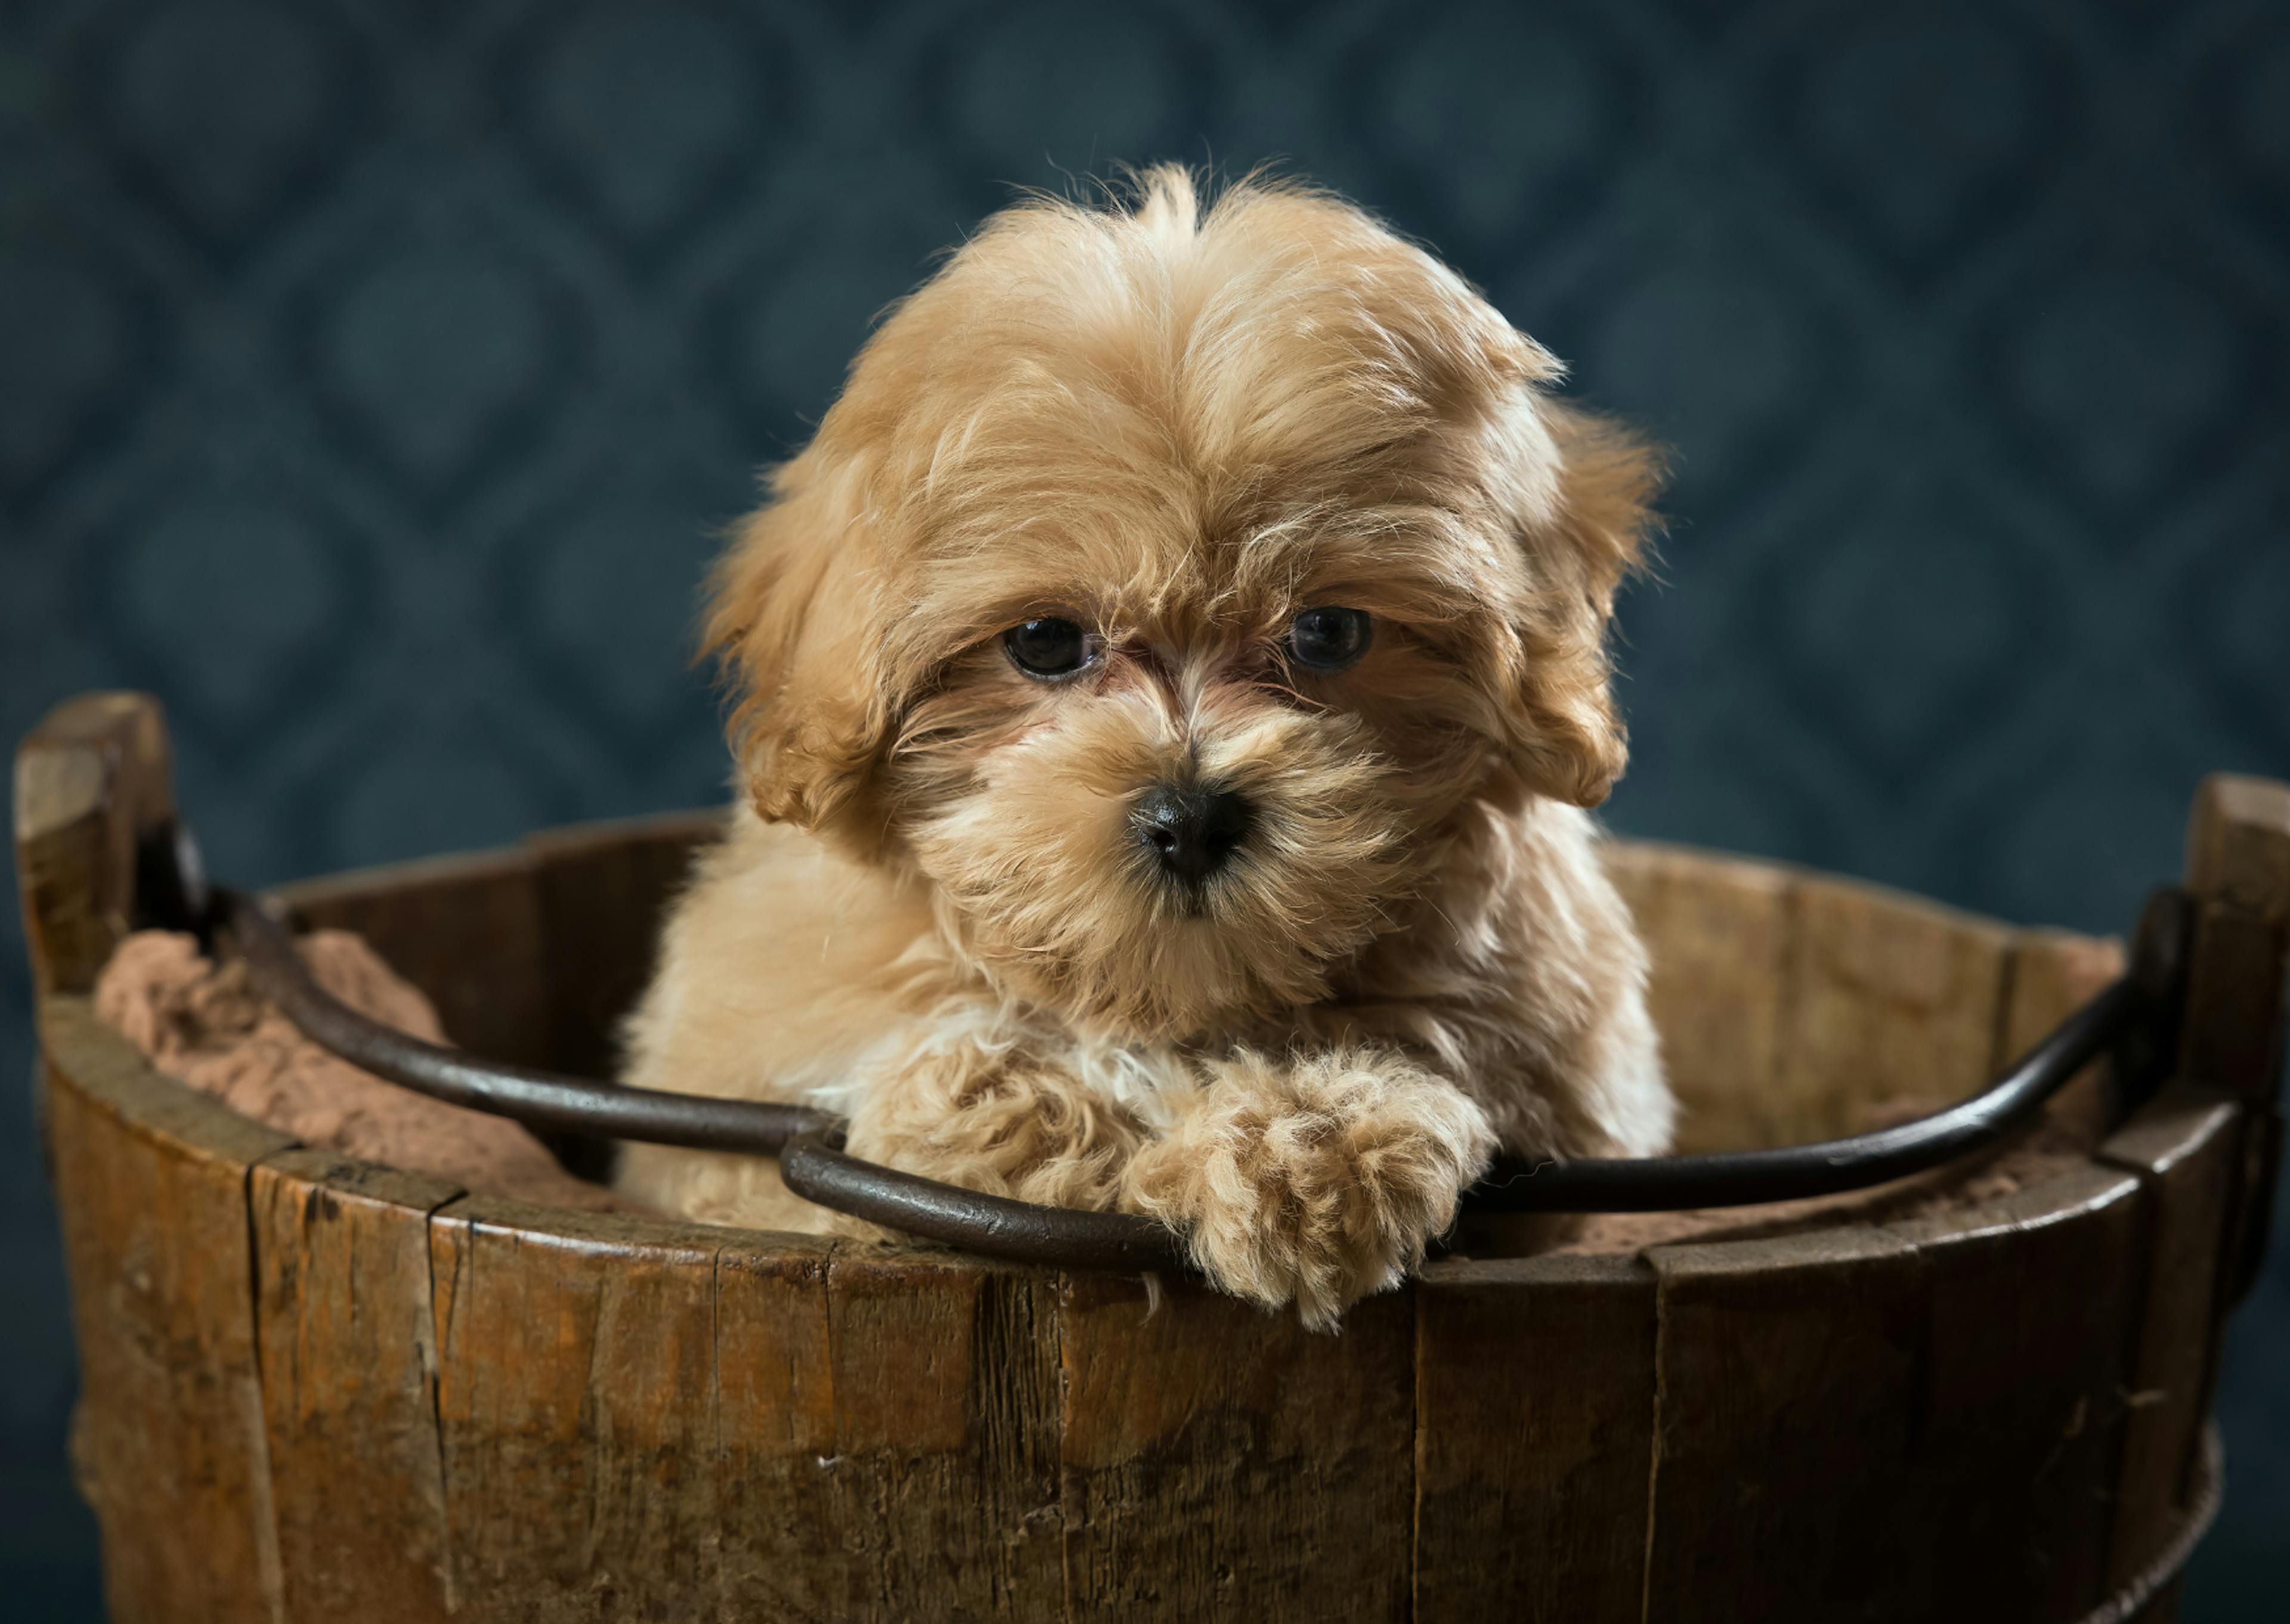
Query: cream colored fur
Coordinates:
[1179,425]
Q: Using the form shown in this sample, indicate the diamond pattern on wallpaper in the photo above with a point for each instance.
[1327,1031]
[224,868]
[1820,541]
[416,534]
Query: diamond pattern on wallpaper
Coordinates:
[2242,100]
[645,119]
[1918,624]
[1505,120]
[2250,639]
[278,582]
[76,344]
[374,379]
[226,115]
[1732,364]
[774,339]
[416,780]
[2244,632]
[576,593]
[2070,824]
[1924,132]
[1144,86]
[439,360]
[2126,382]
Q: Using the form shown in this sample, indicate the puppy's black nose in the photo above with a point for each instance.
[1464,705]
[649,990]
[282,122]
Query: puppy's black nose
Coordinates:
[1190,830]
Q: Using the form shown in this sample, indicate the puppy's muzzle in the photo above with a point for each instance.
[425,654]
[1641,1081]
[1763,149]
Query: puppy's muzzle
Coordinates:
[1190,830]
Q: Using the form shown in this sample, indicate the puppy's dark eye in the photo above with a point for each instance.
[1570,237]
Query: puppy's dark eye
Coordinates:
[1329,639]
[1050,648]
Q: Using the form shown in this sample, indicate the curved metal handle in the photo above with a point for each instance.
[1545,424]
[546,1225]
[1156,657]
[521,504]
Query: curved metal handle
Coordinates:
[2135,1019]
[537,1099]
[1796,1172]
[816,1168]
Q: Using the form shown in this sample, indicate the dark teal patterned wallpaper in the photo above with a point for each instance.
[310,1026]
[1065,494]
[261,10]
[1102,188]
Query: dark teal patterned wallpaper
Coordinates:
[371,374]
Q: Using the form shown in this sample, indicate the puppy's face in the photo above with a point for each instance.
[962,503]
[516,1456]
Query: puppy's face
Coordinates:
[1162,587]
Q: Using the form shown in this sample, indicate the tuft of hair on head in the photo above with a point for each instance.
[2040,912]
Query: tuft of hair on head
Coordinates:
[1164,200]
[1173,204]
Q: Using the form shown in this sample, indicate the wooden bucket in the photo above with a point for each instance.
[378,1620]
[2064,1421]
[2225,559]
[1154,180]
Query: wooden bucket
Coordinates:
[320,1389]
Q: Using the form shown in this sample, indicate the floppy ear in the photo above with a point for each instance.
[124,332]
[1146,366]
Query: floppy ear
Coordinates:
[1566,741]
[792,623]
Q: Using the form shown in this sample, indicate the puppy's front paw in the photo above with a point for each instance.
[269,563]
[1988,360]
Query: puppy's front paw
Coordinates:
[1315,1180]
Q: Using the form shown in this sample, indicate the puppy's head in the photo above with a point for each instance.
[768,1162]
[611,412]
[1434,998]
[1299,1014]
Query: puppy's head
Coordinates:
[1162,585]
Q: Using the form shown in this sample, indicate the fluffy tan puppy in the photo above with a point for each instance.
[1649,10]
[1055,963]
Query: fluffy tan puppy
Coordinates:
[1171,681]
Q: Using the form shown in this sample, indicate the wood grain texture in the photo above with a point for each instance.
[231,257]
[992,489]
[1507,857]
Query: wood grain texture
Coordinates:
[782,1554]
[1788,1380]
[348,1363]
[2239,990]
[941,1488]
[2233,1034]
[1885,997]
[2025,1364]
[603,889]
[2052,974]
[1221,1463]
[2183,1148]
[151,1185]
[92,780]
[575,1404]
[467,931]
[1534,1383]
[2237,1007]
[1718,932]
[2238,845]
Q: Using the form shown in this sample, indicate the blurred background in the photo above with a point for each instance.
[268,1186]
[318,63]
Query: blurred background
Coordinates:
[374,374]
